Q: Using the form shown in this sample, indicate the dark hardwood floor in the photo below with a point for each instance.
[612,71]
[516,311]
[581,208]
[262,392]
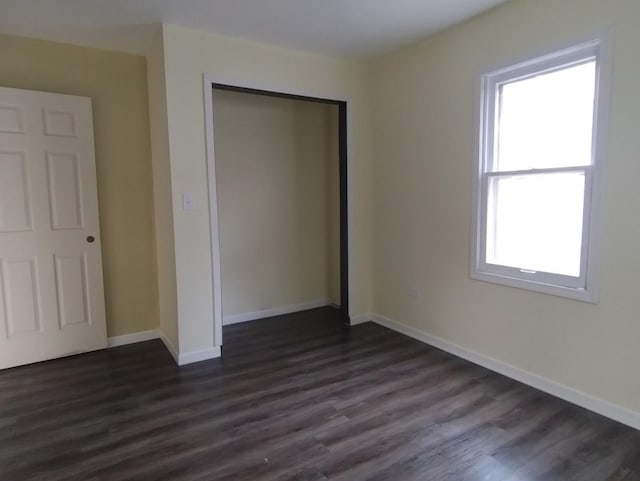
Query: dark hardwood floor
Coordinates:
[297,398]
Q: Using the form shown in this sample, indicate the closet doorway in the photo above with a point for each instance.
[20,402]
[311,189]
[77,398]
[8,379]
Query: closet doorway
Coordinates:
[278,188]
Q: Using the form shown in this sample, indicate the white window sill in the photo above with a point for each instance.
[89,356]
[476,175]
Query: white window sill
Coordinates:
[582,295]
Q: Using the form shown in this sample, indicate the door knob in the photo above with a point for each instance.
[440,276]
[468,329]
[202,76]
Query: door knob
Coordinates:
[90,239]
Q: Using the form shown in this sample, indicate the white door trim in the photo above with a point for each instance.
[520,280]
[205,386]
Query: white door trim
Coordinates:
[214,222]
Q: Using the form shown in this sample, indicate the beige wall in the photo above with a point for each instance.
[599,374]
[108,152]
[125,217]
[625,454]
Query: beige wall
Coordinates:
[117,85]
[163,199]
[187,55]
[274,158]
[425,133]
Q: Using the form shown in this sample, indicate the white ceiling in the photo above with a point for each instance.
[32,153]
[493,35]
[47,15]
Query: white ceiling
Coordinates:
[357,29]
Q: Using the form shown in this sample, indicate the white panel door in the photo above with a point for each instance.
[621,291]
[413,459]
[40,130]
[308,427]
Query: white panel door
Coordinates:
[51,287]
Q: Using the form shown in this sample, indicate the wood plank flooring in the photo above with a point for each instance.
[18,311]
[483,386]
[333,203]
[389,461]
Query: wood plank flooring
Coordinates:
[297,397]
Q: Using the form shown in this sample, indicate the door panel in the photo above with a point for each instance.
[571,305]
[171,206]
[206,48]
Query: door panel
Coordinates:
[71,287]
[22,307]
[60,123]
[10,119]
[64,191]
[51,287]
[15,210]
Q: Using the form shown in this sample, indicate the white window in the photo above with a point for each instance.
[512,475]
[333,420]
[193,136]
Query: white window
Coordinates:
[538,174]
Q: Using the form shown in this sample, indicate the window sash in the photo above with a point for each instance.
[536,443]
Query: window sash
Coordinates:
[491,86]
[580,282]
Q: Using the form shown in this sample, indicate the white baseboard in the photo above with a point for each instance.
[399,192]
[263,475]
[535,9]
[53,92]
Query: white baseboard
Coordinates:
[277,311]
[171,348]
[600,406]
[133,338]
[360,319]
[197,356]
[182,359]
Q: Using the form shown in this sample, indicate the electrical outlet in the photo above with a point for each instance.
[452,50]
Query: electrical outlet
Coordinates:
[414,293]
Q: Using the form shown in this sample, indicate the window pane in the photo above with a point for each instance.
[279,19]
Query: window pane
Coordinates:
[534,222]
[546,121]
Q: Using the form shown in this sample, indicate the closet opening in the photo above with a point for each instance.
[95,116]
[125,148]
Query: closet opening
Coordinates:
[279,203]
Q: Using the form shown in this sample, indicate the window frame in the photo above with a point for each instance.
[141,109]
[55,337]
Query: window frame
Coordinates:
[584,287]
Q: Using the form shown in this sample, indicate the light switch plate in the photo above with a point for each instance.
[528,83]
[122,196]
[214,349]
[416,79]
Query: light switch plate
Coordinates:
[188,201]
